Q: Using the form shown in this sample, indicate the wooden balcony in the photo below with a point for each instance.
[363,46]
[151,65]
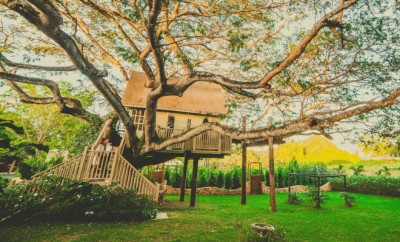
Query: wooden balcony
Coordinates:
[207,142]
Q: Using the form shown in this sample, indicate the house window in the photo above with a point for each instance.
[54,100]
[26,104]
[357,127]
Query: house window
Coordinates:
[189,123]
[205,120]
[138,118]
[171,121]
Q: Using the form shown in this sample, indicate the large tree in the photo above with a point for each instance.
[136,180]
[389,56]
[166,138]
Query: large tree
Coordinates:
[310,64]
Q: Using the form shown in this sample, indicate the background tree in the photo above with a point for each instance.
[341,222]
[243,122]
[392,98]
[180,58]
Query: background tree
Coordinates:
[13,148]
[310,64]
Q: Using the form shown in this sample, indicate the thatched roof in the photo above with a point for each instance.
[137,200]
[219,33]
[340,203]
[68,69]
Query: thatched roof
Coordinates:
[200,98]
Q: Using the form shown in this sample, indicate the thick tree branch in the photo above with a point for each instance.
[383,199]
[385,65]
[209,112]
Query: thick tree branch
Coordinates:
[35,67]
[301,47]
[65,105]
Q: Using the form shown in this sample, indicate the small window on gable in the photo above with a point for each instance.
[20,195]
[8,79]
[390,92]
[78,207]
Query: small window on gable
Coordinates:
[205,120]
[189,123]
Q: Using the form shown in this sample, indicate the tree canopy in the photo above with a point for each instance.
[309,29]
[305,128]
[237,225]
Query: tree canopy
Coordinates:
[309,64]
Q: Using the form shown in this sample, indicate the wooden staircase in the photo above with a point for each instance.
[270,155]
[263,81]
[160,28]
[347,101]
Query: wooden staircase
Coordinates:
[112,167]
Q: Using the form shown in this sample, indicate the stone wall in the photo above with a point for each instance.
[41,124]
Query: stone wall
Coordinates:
[265,190]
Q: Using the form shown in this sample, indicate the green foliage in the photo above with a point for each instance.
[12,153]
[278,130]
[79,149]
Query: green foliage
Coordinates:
[339,169]
[282,173]
[46,125]
[202,177]
[357,170]
[13,145]
[228,180]
[36,164]
[167,175]
[385,171]
[349,199]
[74,201]
[220,179]
[250,235]
[212,179]
[3,184]
[176,179]
[295,198]
[313,195]
[236,178]
[376,185]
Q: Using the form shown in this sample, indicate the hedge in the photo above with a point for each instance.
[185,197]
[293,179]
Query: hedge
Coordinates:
[374,185]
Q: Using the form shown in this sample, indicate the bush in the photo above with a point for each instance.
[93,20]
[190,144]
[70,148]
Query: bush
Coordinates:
[250,235]
[34,165]
[349,200]
[220,179]
[202,178]
[74,201]
[295,198]
[228,180]
[167,174]
[176,179]
[3,184]
[313,195]
[374,185]
[236,178]
[212,179]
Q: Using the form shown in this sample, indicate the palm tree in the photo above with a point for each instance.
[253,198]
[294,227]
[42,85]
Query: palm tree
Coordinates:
[357,170]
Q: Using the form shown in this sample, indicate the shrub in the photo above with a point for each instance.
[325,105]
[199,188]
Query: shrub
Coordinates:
[349,199]
[202,178]
[220,179]
[374,185]
[3,183]
[250,235]
[176,179]
[212,179]
[228,180]
[295,198]
[167,174]
[236,178]
[266,177]
[34,165]
[74,201]
[313,195]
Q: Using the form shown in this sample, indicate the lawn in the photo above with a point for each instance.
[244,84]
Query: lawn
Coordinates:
[220,218]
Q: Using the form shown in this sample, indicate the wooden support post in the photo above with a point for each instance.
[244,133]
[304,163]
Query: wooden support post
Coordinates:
[244,164]
[289,188]
[271,173]
[345,189]
[194,182]
[12,167]
[319,195]
[183,181]
[82,163]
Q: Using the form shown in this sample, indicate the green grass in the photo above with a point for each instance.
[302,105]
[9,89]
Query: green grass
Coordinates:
[220,218]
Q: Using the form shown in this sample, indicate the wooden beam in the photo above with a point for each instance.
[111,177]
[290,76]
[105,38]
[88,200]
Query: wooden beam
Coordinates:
[194,181]
[183,181]
[12,166]
[271,172]
[244,164]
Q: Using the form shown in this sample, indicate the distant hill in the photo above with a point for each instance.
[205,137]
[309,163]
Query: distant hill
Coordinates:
[315,149]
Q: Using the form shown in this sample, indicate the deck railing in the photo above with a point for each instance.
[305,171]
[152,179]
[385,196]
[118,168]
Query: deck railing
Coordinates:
[103,167]
[206,141]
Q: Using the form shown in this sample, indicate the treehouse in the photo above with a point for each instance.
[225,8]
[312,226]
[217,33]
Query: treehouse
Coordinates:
[201,102]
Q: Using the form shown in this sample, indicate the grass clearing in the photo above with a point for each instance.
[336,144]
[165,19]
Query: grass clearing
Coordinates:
[220,218]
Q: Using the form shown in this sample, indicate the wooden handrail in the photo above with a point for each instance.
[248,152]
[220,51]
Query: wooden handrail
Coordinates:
[129,177]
